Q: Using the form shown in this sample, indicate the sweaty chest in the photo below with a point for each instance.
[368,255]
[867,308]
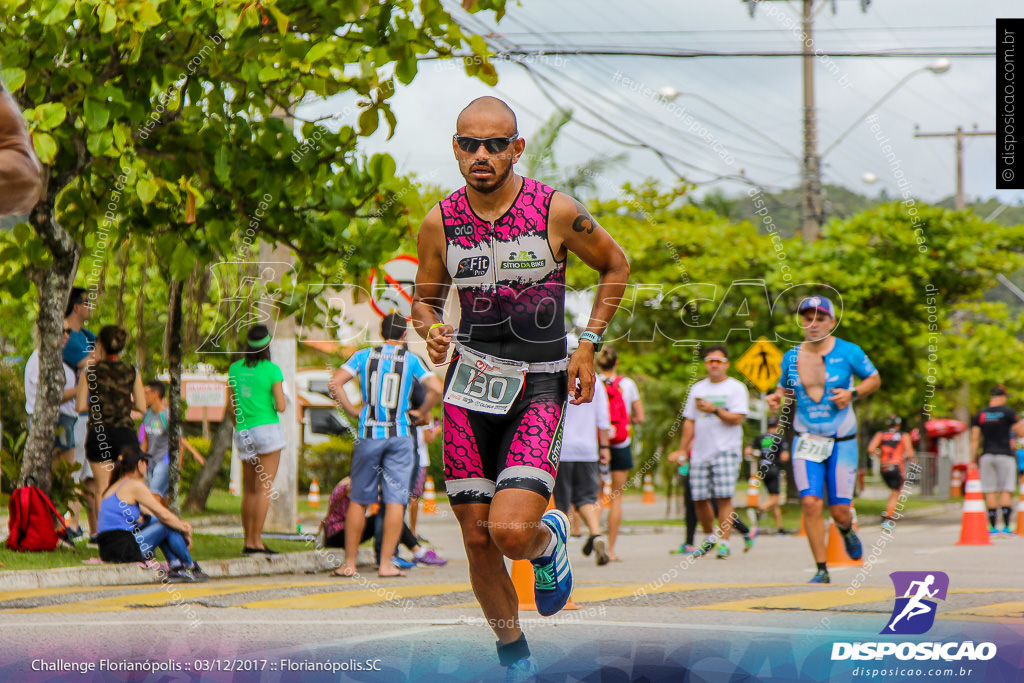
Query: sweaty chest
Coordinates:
[811,371]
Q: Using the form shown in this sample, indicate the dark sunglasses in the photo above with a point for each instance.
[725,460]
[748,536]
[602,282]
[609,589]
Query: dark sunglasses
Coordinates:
[492,145]
[68,330]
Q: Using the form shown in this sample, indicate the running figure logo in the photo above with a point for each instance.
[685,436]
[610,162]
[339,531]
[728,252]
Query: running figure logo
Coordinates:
[914,613]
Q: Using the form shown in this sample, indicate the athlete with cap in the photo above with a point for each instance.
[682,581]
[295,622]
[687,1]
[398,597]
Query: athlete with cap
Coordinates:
[818,374]
[503,241]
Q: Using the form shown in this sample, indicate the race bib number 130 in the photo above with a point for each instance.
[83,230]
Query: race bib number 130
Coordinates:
[813,447]
[485,385]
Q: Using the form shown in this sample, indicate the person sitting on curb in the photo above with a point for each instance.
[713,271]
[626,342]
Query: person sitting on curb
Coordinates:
[334,532]
[124,536]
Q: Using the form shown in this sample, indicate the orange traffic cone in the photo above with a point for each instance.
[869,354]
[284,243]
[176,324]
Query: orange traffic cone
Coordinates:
[648,490]
[955,484]
[836,552]
[314,494]
[752,493]
[974,527]
[803,532]
[429,497]
[522,579]
[1020,509]
[606,492]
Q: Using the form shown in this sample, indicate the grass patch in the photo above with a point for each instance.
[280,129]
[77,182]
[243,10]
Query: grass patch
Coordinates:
[204,547]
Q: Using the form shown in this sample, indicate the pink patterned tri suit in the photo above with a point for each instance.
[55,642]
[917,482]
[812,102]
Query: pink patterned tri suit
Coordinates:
[512,295]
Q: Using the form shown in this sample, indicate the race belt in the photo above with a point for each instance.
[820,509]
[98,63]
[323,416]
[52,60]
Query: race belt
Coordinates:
[816,447]
[488,384]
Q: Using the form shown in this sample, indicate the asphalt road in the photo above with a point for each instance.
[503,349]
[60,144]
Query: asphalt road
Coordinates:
[653,612]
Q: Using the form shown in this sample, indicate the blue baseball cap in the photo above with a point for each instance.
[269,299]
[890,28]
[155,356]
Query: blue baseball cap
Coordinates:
[817,303]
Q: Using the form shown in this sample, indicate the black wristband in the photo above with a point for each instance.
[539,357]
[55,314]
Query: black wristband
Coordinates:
[854,394]
[510,653]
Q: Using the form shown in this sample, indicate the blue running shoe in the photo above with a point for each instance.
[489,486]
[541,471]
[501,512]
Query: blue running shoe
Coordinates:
[522,671]
[851,541]
[553,575]
[821,577]
[399,563]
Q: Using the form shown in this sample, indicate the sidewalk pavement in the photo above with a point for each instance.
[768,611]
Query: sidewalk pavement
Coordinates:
[442,525]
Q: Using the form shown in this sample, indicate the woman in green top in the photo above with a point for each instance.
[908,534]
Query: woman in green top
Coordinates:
[256,395]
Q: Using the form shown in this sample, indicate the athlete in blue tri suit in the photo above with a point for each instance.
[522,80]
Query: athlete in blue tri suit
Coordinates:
[819,374]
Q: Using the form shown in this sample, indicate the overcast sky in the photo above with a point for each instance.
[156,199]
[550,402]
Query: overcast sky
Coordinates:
[749,107]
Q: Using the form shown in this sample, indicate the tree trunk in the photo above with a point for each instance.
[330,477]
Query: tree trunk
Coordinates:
[174,422]
[122,262]
[203,483]
[140,315]
[54,285]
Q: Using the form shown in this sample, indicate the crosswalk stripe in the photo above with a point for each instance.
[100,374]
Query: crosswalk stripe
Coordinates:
[160,597]
[999,610]
[812,600]
[601,593]
[355,598]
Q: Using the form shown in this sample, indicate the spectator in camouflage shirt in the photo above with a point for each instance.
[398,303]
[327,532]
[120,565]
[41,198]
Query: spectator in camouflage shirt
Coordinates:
[112,388]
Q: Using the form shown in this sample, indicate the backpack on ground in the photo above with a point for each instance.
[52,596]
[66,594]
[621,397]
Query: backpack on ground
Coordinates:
[617,411]
[34,524]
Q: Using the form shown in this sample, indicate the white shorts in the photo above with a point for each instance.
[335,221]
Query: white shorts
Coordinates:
[250,443]
[81,431]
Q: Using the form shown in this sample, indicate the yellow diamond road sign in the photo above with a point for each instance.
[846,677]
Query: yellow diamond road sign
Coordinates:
[762,364]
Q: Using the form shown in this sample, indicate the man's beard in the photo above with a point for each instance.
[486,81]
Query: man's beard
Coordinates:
[497,182]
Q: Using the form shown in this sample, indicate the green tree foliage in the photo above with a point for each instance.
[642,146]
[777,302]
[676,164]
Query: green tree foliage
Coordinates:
[697,277]
[172,120]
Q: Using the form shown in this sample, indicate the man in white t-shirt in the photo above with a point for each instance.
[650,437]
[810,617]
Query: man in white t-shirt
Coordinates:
[67,416]
[713,436]
[585,435]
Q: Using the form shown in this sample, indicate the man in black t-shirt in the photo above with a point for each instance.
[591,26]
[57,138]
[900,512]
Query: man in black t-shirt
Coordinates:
[771,451]
[997,463]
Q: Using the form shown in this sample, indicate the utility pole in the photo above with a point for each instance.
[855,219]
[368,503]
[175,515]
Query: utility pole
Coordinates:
[810,214]
[959,135]
[961,410]
[811,211]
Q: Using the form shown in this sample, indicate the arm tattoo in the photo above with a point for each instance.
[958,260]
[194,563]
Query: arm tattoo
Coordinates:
[583,222]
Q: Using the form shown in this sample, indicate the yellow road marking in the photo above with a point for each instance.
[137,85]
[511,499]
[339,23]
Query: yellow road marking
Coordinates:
[813,600]
[6,596]
[999,610]
[586,594]
[384,591]
[163,596]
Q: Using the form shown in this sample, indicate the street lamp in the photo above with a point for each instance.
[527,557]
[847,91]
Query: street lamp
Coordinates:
[938,67]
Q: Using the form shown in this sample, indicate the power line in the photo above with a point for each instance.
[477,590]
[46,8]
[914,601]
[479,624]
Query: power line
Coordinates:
[669,53]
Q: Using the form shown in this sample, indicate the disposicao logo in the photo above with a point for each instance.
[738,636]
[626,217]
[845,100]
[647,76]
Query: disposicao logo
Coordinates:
[914,614]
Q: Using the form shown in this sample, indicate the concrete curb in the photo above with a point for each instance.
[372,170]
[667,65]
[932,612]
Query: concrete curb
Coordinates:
[133,574]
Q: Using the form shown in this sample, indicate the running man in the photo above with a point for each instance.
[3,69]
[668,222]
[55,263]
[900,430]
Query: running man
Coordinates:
[892,448]
[914,606]
[713,429]
[819,374]
[771,453]
[503,240]
[991,429]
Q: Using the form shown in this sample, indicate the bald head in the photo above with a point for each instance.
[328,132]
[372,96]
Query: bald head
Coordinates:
[487,117]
